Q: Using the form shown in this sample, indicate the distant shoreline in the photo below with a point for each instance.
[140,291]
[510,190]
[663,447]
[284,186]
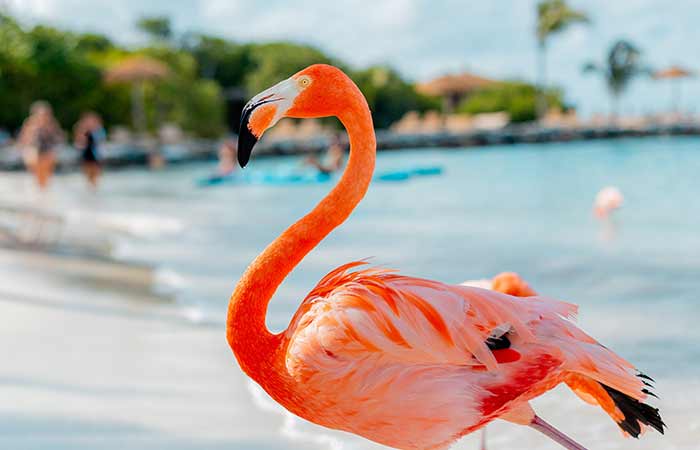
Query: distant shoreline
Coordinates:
[134,155]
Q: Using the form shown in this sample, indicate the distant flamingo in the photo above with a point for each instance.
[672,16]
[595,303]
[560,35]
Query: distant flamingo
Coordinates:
[607,200]
[507,283]
[405,362]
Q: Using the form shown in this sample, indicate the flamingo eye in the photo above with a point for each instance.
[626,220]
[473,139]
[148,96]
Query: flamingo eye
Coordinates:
[304,81]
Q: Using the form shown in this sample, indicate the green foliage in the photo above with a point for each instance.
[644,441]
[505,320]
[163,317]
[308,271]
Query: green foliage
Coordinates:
[67,70]
[259,66]
[43,63]
[516,98]
[201,109]
[622,65]
[91,42]
[16,72]
[554,16]
[65,77]
[273,62]
[194,104]
[157,28]
[15,46]
[221,60]
[389,96]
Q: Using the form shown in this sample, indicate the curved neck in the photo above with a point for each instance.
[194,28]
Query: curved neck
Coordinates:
[246,331]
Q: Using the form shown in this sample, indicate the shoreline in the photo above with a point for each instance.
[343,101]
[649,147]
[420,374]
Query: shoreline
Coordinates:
[137,155]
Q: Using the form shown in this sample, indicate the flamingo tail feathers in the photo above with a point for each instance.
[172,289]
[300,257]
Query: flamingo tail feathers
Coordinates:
[629,413]
[636,414]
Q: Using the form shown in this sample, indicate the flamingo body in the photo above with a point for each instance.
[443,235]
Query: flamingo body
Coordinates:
[406,362]
[607,200]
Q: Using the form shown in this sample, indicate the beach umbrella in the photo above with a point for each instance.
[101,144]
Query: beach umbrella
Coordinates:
[137,70]
[453,88]
[675,74]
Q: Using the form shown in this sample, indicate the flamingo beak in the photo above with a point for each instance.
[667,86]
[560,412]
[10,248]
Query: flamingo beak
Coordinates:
[262,112]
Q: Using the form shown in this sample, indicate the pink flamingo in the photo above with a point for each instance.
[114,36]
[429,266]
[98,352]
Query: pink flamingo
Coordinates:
[406,362]
[608,200]
[507,283]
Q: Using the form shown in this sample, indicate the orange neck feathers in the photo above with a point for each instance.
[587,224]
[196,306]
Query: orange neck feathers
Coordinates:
[246,331]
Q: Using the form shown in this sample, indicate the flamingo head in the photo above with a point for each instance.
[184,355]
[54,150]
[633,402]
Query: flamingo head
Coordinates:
[319,90]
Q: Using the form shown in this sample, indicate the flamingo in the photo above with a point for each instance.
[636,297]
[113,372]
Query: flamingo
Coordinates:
[405,362]
[606,201]
[507,283]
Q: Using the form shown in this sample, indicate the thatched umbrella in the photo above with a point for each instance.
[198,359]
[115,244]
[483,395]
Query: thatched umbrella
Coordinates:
[137,70]
[675,74]
[453,88]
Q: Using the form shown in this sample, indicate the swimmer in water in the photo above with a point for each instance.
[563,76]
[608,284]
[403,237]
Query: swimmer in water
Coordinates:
[87,134]
[333,160]
[228,152]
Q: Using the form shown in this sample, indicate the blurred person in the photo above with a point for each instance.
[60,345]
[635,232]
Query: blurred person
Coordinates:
[87,134]
[5,138]
[38,139]
[228,152]
[332,161]
[156,158]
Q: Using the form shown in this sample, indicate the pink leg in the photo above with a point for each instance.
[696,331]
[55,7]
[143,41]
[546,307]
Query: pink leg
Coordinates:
[483,439]
[554,434]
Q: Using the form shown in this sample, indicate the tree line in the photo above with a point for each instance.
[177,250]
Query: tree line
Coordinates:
[66,69]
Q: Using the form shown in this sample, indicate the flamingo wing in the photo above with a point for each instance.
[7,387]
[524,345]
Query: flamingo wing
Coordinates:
[413,320]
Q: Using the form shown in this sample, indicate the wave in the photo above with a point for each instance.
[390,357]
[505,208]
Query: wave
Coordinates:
[137,225]
[291,425]
[169,281]
[140,225]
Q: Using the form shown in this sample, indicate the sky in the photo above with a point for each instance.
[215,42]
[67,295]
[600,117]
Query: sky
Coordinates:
[426,38]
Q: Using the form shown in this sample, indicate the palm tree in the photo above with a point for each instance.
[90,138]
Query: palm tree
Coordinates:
[158,28]
[622,65]
[553,16]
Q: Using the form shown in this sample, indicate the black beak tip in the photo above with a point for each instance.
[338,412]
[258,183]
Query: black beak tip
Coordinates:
[246,138]
[246,142]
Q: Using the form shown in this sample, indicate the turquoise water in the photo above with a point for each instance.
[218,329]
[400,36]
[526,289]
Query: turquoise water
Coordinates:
[524,208]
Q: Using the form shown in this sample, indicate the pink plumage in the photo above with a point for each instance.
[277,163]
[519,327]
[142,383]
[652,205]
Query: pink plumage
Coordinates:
[608,200]
[409,363]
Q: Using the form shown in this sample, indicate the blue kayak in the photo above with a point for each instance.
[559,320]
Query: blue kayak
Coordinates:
[265,178]
[309,177]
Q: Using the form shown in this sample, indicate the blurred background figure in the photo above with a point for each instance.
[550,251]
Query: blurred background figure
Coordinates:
[156,159]
[606,201]
[87,134]
[332,161]
[38,138]
[228,152]
[5,138]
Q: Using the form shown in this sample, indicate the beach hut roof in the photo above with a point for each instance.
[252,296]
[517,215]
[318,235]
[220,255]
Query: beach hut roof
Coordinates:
[461,83]
[673,72]
[137,68]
